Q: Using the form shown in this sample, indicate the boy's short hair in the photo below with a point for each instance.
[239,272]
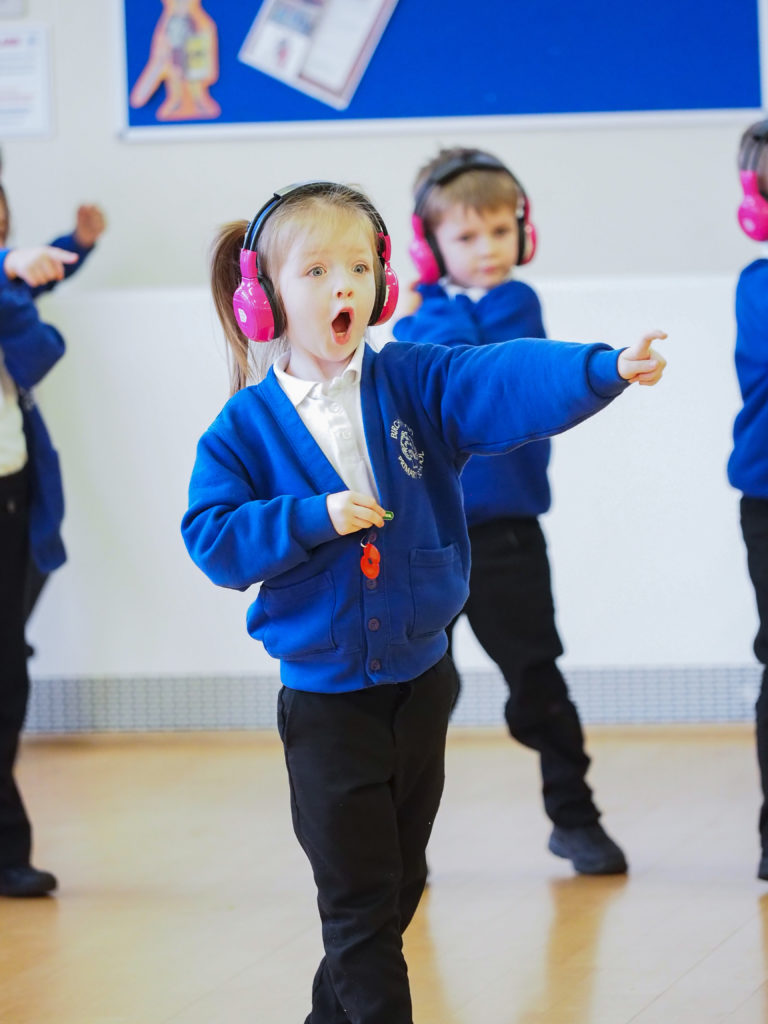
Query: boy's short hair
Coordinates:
[477,189]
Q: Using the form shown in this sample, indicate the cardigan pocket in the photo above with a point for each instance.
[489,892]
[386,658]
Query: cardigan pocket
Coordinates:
[296,620]
[438,588]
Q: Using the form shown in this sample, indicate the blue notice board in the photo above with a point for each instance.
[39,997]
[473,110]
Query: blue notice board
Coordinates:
[450,59]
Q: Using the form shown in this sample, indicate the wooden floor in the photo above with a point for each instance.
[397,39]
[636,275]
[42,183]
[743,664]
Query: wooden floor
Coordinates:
[185,899]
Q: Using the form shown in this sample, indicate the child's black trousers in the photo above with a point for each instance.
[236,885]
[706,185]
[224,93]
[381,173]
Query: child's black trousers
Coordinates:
[366,773]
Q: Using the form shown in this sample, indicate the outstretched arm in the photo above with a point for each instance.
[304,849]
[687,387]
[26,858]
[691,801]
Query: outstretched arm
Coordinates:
[37,266]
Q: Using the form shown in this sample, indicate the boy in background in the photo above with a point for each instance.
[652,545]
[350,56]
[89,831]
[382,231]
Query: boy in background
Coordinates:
[471,229]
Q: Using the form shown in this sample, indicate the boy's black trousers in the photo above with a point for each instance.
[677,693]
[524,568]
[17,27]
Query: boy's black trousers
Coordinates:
[754,526]
[366,774]
[512,614]
[15,831]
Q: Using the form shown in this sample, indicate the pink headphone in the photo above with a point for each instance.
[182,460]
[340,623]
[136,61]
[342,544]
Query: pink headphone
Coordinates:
[423,249]
[257,309]
[753,210]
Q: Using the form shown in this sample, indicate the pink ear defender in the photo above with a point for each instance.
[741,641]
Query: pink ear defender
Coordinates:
[391,284]
[256,308]
[753,211]
[422,254]
[423,249]
[250,302]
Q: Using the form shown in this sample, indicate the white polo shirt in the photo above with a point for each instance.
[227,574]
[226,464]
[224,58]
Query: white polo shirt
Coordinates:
[13,445]
[332,412]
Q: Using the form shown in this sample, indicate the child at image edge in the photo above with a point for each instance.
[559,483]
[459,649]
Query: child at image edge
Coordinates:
[472,228]
[748,464]
[334,482]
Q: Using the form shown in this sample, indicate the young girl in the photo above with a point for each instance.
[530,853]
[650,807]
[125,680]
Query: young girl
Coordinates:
[334,483]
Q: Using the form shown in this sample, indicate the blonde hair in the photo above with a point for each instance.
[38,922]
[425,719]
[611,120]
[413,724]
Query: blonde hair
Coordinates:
[315,202]
[475,189]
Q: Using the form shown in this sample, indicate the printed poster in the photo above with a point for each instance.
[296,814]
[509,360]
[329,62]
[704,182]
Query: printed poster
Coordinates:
[25,93]
[320,47]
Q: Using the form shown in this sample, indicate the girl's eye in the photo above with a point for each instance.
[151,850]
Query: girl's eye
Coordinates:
[501,232]
[316,272]
[361,268]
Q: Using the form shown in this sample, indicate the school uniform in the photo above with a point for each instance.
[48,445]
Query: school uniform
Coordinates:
[367,689]
[748,472]
[510,606]
[30,515]
[31,547]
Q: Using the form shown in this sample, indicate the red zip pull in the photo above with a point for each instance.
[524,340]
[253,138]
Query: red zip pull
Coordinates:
[369,563]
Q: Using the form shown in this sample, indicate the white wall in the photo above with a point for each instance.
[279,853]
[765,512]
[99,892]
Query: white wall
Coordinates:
[648,562]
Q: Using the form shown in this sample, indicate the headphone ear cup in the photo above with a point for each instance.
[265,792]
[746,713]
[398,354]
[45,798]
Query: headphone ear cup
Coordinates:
[526,234]
[528,248]
[391,295]
[753,211]
[422,254]
[252,302]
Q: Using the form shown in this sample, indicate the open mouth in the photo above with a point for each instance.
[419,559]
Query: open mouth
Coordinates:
[341,324]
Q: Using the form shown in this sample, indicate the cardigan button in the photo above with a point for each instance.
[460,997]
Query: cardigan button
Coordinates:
[371,584]
[373,624]
[375,665]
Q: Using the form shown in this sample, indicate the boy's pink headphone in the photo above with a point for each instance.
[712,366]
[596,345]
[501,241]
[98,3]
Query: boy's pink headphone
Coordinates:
[257,309]
[753,210]
[424,250]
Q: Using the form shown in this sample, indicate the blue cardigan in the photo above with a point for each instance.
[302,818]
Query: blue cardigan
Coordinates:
[748,464]
[257,500]
[515,484]
[30,349]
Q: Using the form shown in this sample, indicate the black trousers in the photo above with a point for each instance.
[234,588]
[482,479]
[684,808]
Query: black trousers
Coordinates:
[15,831]
[754,526]
[366,774]
[512,614]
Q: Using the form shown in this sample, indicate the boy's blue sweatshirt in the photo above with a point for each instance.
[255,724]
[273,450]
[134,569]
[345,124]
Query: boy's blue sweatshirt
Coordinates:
[514,484]
[258,514]
[30,348]
[748,464]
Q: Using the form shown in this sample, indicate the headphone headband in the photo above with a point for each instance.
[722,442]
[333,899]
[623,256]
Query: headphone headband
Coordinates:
[319,188]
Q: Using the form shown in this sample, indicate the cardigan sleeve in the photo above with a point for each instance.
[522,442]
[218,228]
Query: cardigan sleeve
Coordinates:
[30,346]
[494,398]
[238,539]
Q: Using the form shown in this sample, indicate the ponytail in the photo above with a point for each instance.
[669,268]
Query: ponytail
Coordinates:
[247,362]
[225,278]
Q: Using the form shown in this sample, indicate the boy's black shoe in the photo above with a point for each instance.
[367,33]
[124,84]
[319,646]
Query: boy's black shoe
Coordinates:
[26,881]
[590,848]
[762,870]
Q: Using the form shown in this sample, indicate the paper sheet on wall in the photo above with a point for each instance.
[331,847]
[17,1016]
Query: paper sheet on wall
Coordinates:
[320,47]
[25,103]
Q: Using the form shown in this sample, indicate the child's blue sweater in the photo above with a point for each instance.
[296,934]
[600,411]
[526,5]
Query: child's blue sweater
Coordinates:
[748,464]
[257,501]
[30,348]
[514,484]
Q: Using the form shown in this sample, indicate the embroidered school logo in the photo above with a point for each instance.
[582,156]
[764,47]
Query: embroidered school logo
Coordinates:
[410,458]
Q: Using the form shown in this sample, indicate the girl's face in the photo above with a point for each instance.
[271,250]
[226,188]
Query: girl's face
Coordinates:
[328,286]
[479,249]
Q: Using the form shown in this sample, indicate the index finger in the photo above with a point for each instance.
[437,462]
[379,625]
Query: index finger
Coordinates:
[62,255]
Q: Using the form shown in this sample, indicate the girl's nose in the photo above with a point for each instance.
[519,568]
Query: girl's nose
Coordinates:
[344,287]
